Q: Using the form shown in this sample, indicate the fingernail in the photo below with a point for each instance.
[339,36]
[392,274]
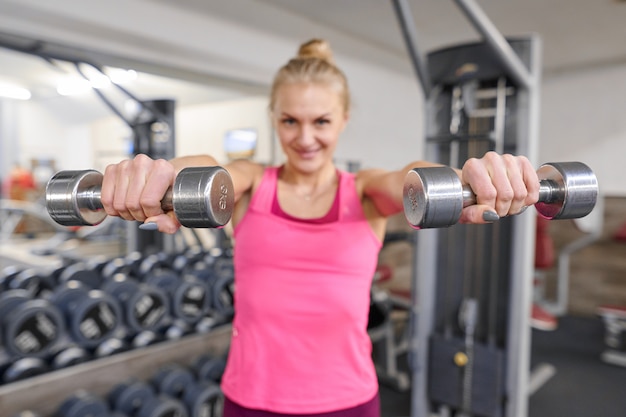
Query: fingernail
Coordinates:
[490,216]
[149,226]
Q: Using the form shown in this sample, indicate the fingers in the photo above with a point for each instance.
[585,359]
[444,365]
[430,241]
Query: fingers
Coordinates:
[166,223]
[133,189]
[504,185]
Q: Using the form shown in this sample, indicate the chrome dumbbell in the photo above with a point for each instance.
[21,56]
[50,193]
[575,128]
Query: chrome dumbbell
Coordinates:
[200,197]
[434,196]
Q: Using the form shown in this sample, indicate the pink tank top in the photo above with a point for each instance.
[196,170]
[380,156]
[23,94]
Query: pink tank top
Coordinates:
[299,340]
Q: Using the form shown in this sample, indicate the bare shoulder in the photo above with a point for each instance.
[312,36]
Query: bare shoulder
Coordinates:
[246,175]
[366,177]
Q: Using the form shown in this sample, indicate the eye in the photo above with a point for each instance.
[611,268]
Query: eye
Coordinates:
[322,121]
[288,121]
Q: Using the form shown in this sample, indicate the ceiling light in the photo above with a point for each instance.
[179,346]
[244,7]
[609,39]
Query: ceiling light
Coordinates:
[73,86]
[13,91]
[120,76]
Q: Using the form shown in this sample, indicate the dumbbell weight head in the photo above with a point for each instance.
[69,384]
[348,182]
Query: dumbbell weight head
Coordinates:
[145,338]
[223,296]
[30,327]
[172,379]
[200,197]
[571,190]
[144,307]
[92,315]
[27,413]
[69,356]
[73,198]
[189,297]
[81,404]
[81,272]
[204,399]
[432,197]
[209,368]
[435,197]
[37,284]
[129,396]
[110,347]
[24,368]
[162,406]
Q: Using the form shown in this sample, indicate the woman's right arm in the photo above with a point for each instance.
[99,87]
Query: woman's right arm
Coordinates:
[133,188]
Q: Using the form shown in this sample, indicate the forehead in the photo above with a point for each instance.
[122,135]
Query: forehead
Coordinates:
[307,98]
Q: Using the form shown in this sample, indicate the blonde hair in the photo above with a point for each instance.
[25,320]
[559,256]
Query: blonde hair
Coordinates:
[313,64]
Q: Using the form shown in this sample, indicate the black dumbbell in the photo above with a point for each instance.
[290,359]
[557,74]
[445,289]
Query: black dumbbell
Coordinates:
[27,413]
[92,316]
[209,367]
[29,326]
[146,308]
[83,272]
[189,300]
[68,355]
[83,404]
[200,197]
[23,368]
[434,196]
[202,398]
[37,283]
[223,297]
[139,399]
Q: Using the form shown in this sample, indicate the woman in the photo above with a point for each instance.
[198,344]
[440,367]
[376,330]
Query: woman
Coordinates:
[307,237]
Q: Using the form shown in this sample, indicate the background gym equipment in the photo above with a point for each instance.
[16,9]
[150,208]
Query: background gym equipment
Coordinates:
[470,337]
[435,196]
[200,197]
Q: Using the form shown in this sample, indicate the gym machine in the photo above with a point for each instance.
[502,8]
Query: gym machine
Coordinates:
[469,349]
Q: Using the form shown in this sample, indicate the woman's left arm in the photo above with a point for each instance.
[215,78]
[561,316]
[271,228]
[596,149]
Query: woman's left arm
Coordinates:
[503,184]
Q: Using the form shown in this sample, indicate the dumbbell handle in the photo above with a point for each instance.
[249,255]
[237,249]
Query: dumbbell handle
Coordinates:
[91,198]
[549,192]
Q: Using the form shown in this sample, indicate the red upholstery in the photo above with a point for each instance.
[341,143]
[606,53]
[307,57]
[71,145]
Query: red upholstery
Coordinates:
[621,233]
[544,245]
[612,310]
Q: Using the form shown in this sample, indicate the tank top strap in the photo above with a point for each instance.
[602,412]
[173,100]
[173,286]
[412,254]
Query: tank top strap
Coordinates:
[263,196]
[350,202]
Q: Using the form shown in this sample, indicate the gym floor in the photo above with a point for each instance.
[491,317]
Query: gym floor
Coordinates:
[583,386]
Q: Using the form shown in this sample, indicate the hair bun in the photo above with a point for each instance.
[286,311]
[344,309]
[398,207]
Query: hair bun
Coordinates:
[316,48]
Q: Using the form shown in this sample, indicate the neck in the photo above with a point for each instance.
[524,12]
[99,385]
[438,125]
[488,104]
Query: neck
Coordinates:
[308,185]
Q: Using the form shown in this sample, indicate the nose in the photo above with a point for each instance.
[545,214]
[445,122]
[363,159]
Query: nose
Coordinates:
[306,135]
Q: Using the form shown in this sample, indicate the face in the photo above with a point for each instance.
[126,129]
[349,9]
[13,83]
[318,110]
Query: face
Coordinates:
[308,119]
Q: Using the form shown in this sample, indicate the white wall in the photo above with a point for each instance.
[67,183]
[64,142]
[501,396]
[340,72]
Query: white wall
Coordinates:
[582,119]
[41,135]
[200,129]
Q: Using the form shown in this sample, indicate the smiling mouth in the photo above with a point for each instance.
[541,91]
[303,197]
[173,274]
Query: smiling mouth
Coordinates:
[307,154]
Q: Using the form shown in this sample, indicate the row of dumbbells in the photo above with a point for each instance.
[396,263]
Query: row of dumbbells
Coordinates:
[173,391]
[88,310]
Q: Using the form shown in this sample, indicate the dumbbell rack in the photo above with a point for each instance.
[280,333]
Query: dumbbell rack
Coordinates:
[43,394]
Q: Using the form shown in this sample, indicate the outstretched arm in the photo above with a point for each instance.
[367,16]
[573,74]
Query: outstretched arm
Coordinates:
[132,189]
[503,184]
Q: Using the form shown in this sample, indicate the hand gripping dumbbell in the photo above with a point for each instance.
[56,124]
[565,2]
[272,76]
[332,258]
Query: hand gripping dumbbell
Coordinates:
[200,197]
[434,196]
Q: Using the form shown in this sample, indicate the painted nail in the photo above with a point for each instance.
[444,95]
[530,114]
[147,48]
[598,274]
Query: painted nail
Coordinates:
[490,216]
[149,226]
